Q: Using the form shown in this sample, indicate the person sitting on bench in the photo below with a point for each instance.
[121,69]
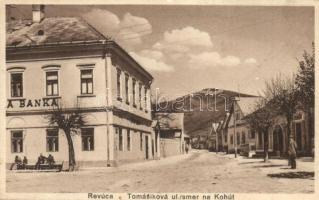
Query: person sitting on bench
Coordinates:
[17,162]
[41,160]
[50,160]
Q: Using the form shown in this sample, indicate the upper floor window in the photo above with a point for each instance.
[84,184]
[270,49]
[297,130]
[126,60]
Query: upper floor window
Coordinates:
[145,98]
[126,89]
[16,85]
[17,141]
[134,92]
[118,84]
[87,135]
[52,140]
[140,95]
[87,81]
[52,83]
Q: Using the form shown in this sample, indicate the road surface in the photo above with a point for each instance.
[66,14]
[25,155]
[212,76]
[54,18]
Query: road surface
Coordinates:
[199,171]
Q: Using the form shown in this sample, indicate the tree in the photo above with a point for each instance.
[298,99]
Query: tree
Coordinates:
[260,120]
[281,96]
[305,86]
[70,121]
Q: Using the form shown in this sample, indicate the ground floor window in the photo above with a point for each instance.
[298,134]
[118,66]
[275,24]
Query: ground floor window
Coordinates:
[238,138]
[128,135]
[120,139]
[231,139]
[52,140]
[87,135]
[260,139]
[252,134]
[17,141]
[141,141]
[243,139]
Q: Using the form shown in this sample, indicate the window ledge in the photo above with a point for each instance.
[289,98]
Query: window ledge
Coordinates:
[86,95]
[16,98]
[52,97]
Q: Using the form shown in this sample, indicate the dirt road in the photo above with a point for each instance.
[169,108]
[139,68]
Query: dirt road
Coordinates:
[199,171]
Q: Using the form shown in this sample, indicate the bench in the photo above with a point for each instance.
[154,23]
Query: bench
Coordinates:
[41,167]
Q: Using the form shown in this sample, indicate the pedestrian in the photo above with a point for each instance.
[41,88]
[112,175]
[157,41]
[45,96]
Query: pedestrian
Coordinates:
[50,160]
[17,162]
[24,162]
[41,160]
[186,148]
[292,154]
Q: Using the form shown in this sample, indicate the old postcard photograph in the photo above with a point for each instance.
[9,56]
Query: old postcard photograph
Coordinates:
[158,100]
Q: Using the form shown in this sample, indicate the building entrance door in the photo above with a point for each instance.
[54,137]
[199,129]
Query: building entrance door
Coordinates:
[146,147]
[278,140]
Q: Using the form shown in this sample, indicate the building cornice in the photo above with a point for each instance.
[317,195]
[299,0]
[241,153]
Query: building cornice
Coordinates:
[67,50]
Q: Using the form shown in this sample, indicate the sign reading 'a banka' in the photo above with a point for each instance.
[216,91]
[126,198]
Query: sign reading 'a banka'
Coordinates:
[30,103]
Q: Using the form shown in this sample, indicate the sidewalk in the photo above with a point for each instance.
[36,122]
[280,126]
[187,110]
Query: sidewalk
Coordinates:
[277,167]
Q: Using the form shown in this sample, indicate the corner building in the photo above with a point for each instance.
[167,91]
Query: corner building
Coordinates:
[65,60]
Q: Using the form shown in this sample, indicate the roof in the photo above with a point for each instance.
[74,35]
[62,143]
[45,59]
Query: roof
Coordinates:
[170,120]
[247,104]
[49,30]
[58,30]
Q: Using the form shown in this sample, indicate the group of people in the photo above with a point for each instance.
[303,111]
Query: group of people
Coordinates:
[21,164]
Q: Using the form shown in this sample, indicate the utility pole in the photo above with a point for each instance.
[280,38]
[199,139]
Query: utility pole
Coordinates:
[235,133]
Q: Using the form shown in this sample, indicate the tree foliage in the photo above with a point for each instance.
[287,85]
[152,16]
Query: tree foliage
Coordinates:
[305,79]
[281,94]
[70,121]
[261,120]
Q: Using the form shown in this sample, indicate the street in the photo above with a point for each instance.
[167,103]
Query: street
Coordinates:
[198,171]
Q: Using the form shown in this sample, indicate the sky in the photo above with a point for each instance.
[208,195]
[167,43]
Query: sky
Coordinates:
[188,48]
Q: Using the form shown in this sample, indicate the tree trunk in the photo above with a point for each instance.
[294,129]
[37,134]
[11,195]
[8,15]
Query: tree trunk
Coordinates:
[266,146]
[71,150]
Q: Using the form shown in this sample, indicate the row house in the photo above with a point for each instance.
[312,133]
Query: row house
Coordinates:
[249,142]
[65,61]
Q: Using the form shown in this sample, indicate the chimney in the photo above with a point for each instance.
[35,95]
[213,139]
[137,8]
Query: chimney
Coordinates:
[37,13]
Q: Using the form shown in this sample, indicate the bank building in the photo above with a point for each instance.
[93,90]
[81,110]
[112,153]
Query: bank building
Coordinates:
[65,60]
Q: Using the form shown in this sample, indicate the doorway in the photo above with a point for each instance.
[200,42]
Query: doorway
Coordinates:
[278,140]
[146,147]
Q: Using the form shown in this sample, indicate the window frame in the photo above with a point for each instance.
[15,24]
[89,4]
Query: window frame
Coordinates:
[140,90]
[56,148]
[86,82]
[128,140]
[15,139]
[120,139]
[134,91]
[126,84]
[119,84]
[22,84]
[141,141]
[83,130]
[46,83]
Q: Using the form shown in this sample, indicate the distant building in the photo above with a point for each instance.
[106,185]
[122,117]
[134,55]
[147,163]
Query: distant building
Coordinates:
[65,60]
[250,142]
[170,127]
[244,139]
